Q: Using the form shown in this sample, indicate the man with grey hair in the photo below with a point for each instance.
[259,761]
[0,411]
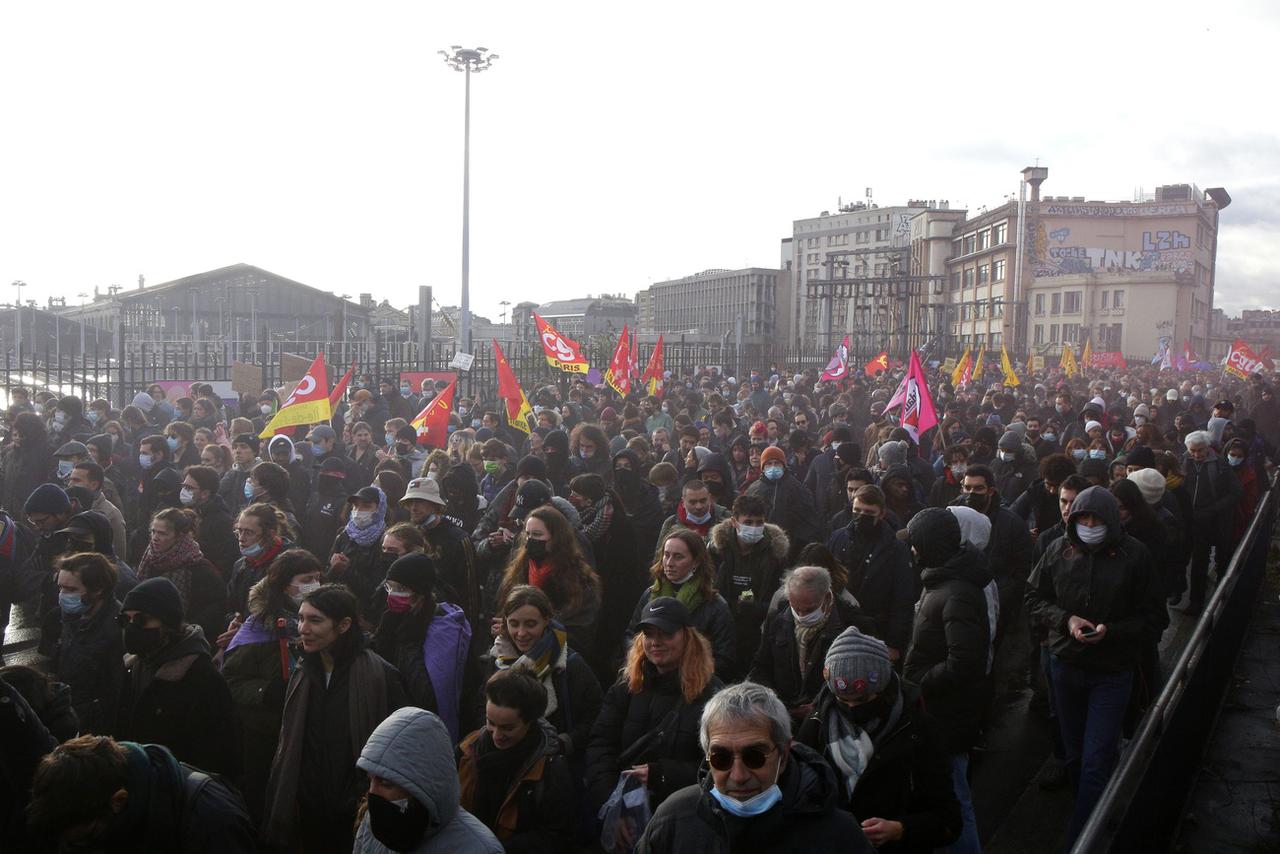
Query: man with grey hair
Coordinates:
[1214,491]
[764,792]
[795,640]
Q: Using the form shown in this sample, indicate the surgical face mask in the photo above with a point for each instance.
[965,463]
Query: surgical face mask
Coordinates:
[492,466]
[399,602]
[248,490]
[1091,536]
[1097,454]
[1049,437]
[317,449]
[1060,407]
[584,455]
[698,520]
[429,520]
[72,604]
[251,551]
[59,418]
[187,496]
[93,416]
[64,468]
[810,619]
[475,423]
[390,439]
[1139,420]
[1235,461]
[146,460]
[750,534]
[172,442]
[1005,456]
[773,472]
[362,518]
[404,391]
[304,590]
[1078,453]
[265,408]
[958,470]
[758,805]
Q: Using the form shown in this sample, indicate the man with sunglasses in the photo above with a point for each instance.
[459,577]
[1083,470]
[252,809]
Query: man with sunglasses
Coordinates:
[763,792]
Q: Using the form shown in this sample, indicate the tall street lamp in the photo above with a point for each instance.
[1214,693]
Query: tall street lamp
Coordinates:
[17,321]
[467,61]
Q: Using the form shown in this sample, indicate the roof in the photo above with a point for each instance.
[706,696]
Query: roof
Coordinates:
[223,273]
[581,307]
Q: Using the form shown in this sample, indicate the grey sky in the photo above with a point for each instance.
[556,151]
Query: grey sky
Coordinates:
[613,145]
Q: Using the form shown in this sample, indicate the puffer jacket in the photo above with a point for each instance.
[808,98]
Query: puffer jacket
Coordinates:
[1014,477]
[747,578]
[883,580]
[712,619]
[1114,583]
[412,750]
[808,819]
[949,646]
[672,754]
[88,658]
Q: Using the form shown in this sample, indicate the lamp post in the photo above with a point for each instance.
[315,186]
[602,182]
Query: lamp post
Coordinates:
[17,321]
[467,61]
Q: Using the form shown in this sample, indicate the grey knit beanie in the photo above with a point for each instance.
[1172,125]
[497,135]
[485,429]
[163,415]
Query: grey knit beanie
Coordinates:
[892,453]
[857,664]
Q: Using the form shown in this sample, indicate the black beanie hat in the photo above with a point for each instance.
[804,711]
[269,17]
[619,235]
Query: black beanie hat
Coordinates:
[157,597]
[531,466]
[415,571]
[1141,456]
[935,535]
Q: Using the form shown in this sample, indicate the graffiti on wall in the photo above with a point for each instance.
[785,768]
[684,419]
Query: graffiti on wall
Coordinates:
[1161,252]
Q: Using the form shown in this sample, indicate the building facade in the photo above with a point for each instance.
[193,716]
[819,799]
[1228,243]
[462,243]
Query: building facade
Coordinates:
[580,319]
[711,303]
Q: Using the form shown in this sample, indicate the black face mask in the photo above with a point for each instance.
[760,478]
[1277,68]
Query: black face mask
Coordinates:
[865,525]
[398,829]
[868,712]
[978,502]
[536,549]
[140,641]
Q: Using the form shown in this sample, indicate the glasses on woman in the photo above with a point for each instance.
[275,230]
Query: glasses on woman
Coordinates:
[753,756]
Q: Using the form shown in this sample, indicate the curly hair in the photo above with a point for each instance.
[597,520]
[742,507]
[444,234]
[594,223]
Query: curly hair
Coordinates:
[570,577]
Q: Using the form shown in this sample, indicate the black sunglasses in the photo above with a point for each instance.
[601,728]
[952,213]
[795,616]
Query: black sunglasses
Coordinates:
[753,756]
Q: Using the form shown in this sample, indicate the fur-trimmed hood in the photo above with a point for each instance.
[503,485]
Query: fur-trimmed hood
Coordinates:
[724,533]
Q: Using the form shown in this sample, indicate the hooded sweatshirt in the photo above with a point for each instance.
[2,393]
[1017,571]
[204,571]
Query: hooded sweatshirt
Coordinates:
[412,749]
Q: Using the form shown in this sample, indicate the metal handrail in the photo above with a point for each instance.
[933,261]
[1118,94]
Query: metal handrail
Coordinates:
[1101,827]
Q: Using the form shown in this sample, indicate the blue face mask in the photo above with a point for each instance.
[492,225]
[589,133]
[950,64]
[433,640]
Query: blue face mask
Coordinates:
[773,473]
[317,449]
[251,551]
[758,805]
[93,416]
[248,489]
[390,439]
[404,391]
[172,442]
[1078,453]
[475,423]
[429,521]
[1233,461]
[64,468]
[145,461]
[72,604]
[1097,454]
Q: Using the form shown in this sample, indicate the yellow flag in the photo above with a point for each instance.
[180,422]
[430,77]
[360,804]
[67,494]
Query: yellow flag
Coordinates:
[977,366]
[958,373]
[1010,378]
[1086,355]
[1068,362]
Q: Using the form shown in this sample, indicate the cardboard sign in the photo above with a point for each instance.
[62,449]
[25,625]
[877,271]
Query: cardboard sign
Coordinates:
[245,378]
[462,361]
[293,368]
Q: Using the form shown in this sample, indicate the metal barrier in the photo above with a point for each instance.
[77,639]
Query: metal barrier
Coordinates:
[1140,808]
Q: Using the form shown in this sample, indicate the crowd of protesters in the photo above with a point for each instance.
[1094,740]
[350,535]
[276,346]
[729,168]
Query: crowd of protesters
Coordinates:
[753,614]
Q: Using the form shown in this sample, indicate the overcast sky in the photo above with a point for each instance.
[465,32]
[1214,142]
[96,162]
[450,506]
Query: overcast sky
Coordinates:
[611,149]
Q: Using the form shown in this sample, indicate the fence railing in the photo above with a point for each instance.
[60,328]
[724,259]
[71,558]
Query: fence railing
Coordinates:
[1140,808]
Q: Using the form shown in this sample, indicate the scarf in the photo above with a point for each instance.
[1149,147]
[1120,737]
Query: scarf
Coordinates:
[545,659]
[851,745]
[804,640]
[1173,481]
[688,593]
[596,522]
[372,532]
[540,573]
[180,555]
[701,527]
[265,557]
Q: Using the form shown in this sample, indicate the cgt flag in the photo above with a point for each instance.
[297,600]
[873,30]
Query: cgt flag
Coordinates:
[1242,361]
[618,375]
[961,367]
[838,367]
[308,404]
[1010,378]
[562,353]
[918,414]
[652,377]
[878,364]
[432,423]
[517,406]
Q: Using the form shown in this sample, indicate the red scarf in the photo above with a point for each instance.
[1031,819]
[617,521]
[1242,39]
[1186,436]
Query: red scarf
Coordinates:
[265,556]
[702,529]
[540,573]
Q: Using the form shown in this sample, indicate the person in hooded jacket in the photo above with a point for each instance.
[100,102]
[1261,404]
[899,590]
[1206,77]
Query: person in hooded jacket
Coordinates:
[713,470]
[555,450]
[763,792]
[172,693]
[951,643]
[872,728]
[428,643]
[89,650]
[280,450]
[217,543]
[356,557]
[334,700]
[900,497]
[750,556]
[412,802]
[787,503]
[1098,595]
[461,492]
[68,422]
[259,659]
[1015,466]
[639,498]
[323,517]
[512,773]
[27,462]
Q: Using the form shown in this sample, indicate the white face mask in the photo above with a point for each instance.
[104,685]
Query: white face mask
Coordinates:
[1091,536]
[810,619]
[1005,456]
[187,496]
[751,533]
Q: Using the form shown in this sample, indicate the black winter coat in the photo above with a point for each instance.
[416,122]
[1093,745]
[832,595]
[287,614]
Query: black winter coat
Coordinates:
[88,658]
[673,754]
[807,820]
[217,543]
[364,574]
[777,661]
[22,469]
[883,581]
[789,506]
[950,644]
[177,698]
[712,619]
[907,780]
[578,699]
[747,578]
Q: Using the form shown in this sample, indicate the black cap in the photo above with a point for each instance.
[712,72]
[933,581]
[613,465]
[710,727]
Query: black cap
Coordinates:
[415,571]
[1225,404]
[666,614]
[333,467]
[533,494]
[157,597]
[368,493]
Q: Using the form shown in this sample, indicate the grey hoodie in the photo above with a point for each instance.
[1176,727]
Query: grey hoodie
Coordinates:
[412,749]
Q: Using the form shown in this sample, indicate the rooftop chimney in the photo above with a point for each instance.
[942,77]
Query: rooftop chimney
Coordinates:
[1035,176]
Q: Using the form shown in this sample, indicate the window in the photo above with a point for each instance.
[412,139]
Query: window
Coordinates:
[1117,298]
[983,274]
[997,270]
[997,338]
[968,277]
[1071,302]
[969,243]
[862,237]
[957,249]
[984,239]
[1039,333]
[1071,333]
[1053,333]
[955,280]
[813,241]
[999,233]
[1104,301]
[882,234]
[1039,303]
[1056,306]
[997,308]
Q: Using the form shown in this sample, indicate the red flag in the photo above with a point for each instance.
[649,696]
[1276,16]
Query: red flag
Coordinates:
[918,414]
[517,405]
[653,372]
[878,364]
[618,375]
[340,389]
[562,353]
[1242,361]
[432,423]
[838,367]
[634,366]
[308,404]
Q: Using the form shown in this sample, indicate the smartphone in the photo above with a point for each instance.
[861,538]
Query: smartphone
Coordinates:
[1088,633]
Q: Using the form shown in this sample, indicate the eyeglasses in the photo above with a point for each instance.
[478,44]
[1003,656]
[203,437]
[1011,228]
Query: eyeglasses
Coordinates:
[753,756]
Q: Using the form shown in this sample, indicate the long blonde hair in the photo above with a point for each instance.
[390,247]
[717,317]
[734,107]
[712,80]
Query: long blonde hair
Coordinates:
[697,665]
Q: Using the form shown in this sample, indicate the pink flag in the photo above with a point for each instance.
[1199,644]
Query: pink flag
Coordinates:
[918,414]
[838,367]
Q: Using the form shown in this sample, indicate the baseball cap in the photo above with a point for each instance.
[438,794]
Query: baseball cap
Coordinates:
[368,493]
[666,614]
[532,494]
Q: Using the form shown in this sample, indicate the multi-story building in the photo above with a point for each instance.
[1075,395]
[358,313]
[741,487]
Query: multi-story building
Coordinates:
[980,278]
[579,319]
[644,310]
[711,302]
